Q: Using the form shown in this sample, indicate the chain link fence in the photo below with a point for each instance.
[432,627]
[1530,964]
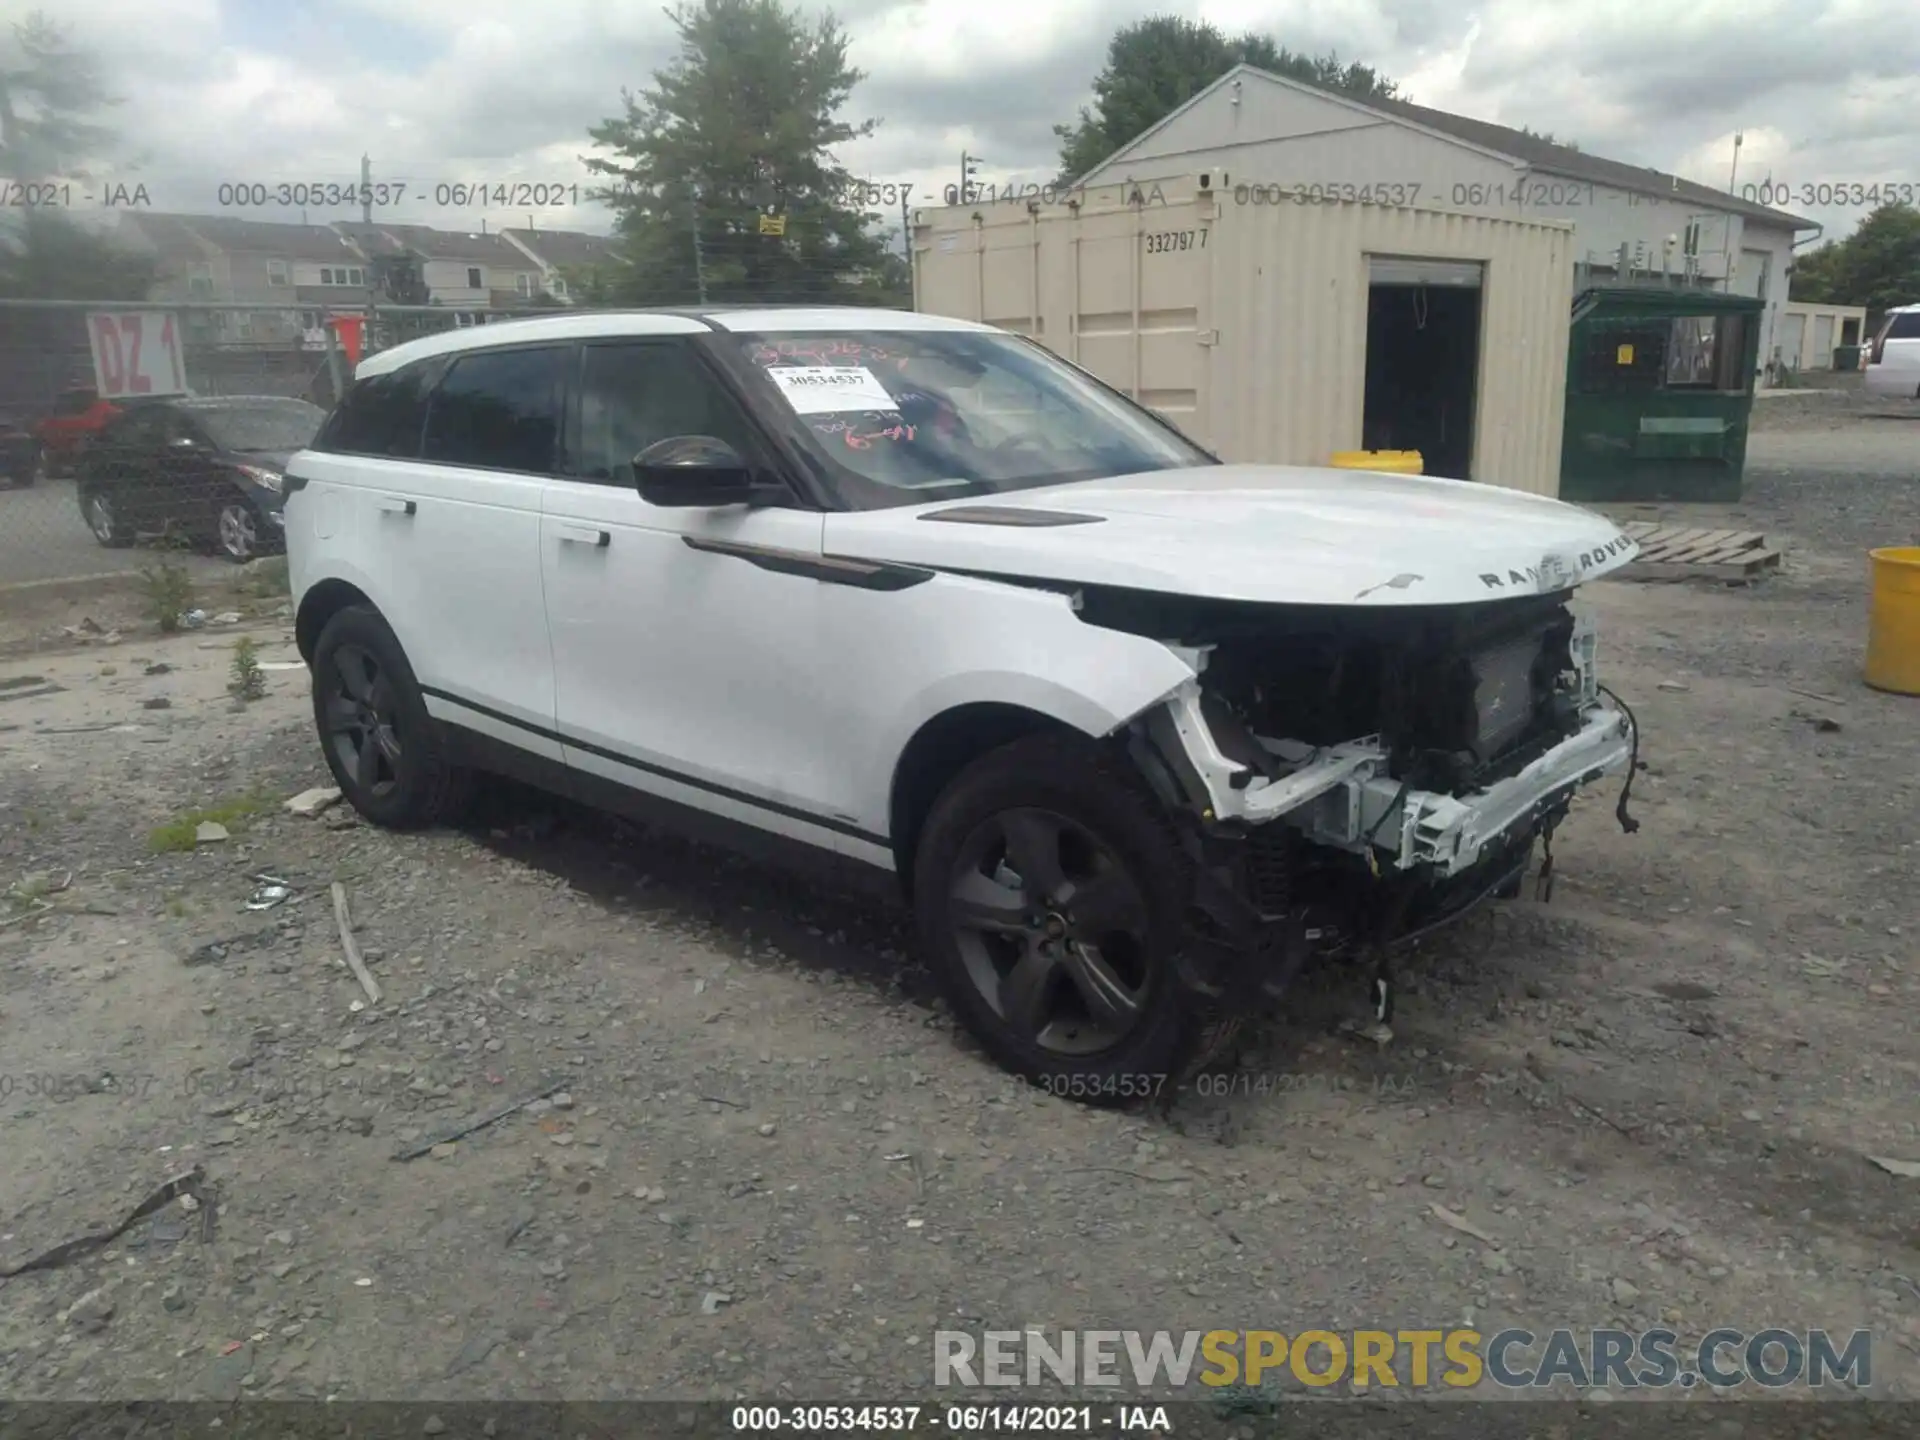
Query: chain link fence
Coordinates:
[130,427]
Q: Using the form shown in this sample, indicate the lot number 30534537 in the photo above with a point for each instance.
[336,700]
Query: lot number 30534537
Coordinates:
[1163,241]
[135,352]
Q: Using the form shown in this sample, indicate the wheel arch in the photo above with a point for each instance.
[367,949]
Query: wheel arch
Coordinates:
[323,600]
[939,750]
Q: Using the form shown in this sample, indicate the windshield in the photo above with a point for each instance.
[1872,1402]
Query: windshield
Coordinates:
[263,425]
[903,417]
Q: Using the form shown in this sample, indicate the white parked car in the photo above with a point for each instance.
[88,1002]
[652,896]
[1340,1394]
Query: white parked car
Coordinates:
[1893,361]
[1134,731]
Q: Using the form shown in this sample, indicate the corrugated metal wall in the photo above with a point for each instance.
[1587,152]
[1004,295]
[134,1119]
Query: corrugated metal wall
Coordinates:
[1246,323]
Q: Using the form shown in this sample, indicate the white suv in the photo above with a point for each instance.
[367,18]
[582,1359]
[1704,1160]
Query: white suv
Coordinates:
[1134,731]
[1893,362]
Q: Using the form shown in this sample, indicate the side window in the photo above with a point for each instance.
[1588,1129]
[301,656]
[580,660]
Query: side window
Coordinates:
[381,415]
[1904,326]
[143,428]
[117,436]
[632,395]
[133,436]
[498,410]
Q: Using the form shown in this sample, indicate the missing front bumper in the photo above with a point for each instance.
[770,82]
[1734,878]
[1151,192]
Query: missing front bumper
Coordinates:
[1343,796]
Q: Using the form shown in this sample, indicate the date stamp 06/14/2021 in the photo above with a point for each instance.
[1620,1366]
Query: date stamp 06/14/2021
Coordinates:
[475,194]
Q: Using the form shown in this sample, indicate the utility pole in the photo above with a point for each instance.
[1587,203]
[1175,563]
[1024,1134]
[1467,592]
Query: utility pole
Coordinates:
[969,166]
[699,259]
[366,190]
[1734,174]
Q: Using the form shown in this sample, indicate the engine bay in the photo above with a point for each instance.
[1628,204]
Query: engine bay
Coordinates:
[1458,697]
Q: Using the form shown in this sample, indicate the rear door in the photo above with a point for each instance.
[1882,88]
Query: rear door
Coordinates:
[191,481]
[128,463]
[461,538]
[424,493]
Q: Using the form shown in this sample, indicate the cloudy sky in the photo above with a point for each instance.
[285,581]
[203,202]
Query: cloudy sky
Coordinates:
[486,90]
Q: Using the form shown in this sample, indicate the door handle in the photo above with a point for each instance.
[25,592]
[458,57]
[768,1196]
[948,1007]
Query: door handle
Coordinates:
[583,535]
[396,505]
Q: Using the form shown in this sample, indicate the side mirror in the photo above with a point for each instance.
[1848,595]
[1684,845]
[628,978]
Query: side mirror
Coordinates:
[693,470]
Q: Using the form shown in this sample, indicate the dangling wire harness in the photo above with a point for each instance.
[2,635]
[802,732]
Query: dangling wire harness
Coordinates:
[1627,822]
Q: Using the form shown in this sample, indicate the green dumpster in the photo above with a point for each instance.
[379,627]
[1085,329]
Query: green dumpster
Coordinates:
[1659,392]
[1847,357]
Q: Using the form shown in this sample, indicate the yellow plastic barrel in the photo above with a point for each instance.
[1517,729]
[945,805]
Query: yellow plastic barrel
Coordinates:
[1393,462]
[1893,628]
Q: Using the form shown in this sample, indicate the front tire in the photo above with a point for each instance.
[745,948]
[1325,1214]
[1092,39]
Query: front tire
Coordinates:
[387,754]
[1049,895]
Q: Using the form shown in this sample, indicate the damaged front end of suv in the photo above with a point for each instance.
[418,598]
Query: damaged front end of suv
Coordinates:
[1347,779]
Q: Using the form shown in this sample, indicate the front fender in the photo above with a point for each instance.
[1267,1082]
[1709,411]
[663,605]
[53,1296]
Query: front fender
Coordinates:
[961,641]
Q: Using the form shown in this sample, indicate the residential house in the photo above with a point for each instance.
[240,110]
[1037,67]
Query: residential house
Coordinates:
[467,271]
[563,253]
[1263,137]
[207,260]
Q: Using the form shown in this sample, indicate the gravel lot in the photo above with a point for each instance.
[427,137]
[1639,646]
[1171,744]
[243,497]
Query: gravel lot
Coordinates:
[775,1168]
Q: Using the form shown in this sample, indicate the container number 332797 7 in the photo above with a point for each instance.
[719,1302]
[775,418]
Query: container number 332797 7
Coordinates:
[1166,240]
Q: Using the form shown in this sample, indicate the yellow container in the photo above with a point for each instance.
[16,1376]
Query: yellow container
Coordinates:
[1392,462]
[1893,629]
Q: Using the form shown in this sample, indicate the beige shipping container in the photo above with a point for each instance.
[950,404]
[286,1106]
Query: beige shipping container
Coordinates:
[1244,317]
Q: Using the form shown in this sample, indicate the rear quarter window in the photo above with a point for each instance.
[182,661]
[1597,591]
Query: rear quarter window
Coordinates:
[499,410]
[382,415]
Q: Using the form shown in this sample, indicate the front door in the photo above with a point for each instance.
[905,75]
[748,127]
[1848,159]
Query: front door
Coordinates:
[684,639]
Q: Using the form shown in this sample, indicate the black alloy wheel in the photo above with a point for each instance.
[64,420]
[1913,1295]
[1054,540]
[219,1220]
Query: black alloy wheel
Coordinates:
[360,720]
[387,754]
[1053,931]
[1049,892]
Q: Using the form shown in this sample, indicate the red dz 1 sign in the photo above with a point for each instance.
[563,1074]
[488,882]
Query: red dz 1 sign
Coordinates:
[136,352]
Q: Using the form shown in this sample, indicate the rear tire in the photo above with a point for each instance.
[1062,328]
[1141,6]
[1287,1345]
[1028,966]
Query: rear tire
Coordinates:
[240,531]
[387,754]
[101,511]
[1065,974]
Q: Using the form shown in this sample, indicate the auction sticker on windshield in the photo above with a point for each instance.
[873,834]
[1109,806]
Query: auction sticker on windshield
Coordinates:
[820,389]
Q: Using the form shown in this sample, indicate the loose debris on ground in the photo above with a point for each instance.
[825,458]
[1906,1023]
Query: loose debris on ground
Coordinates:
[188,1187]
[761,1161]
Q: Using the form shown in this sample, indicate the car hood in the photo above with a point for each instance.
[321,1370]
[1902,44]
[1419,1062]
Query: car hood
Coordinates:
[1264,533]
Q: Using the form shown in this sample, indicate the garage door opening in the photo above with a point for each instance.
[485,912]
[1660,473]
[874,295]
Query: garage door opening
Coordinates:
[1423,359]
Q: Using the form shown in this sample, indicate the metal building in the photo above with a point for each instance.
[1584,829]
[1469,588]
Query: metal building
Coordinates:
[1276,331]
[1632,225]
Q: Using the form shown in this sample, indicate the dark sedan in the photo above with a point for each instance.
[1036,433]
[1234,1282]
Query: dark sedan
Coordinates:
[208,471]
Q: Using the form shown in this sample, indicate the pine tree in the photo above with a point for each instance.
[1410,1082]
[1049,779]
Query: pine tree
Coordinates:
[722,175]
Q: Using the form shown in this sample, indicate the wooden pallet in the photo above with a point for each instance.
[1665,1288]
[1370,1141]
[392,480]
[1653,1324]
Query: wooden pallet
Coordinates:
[1673,552]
